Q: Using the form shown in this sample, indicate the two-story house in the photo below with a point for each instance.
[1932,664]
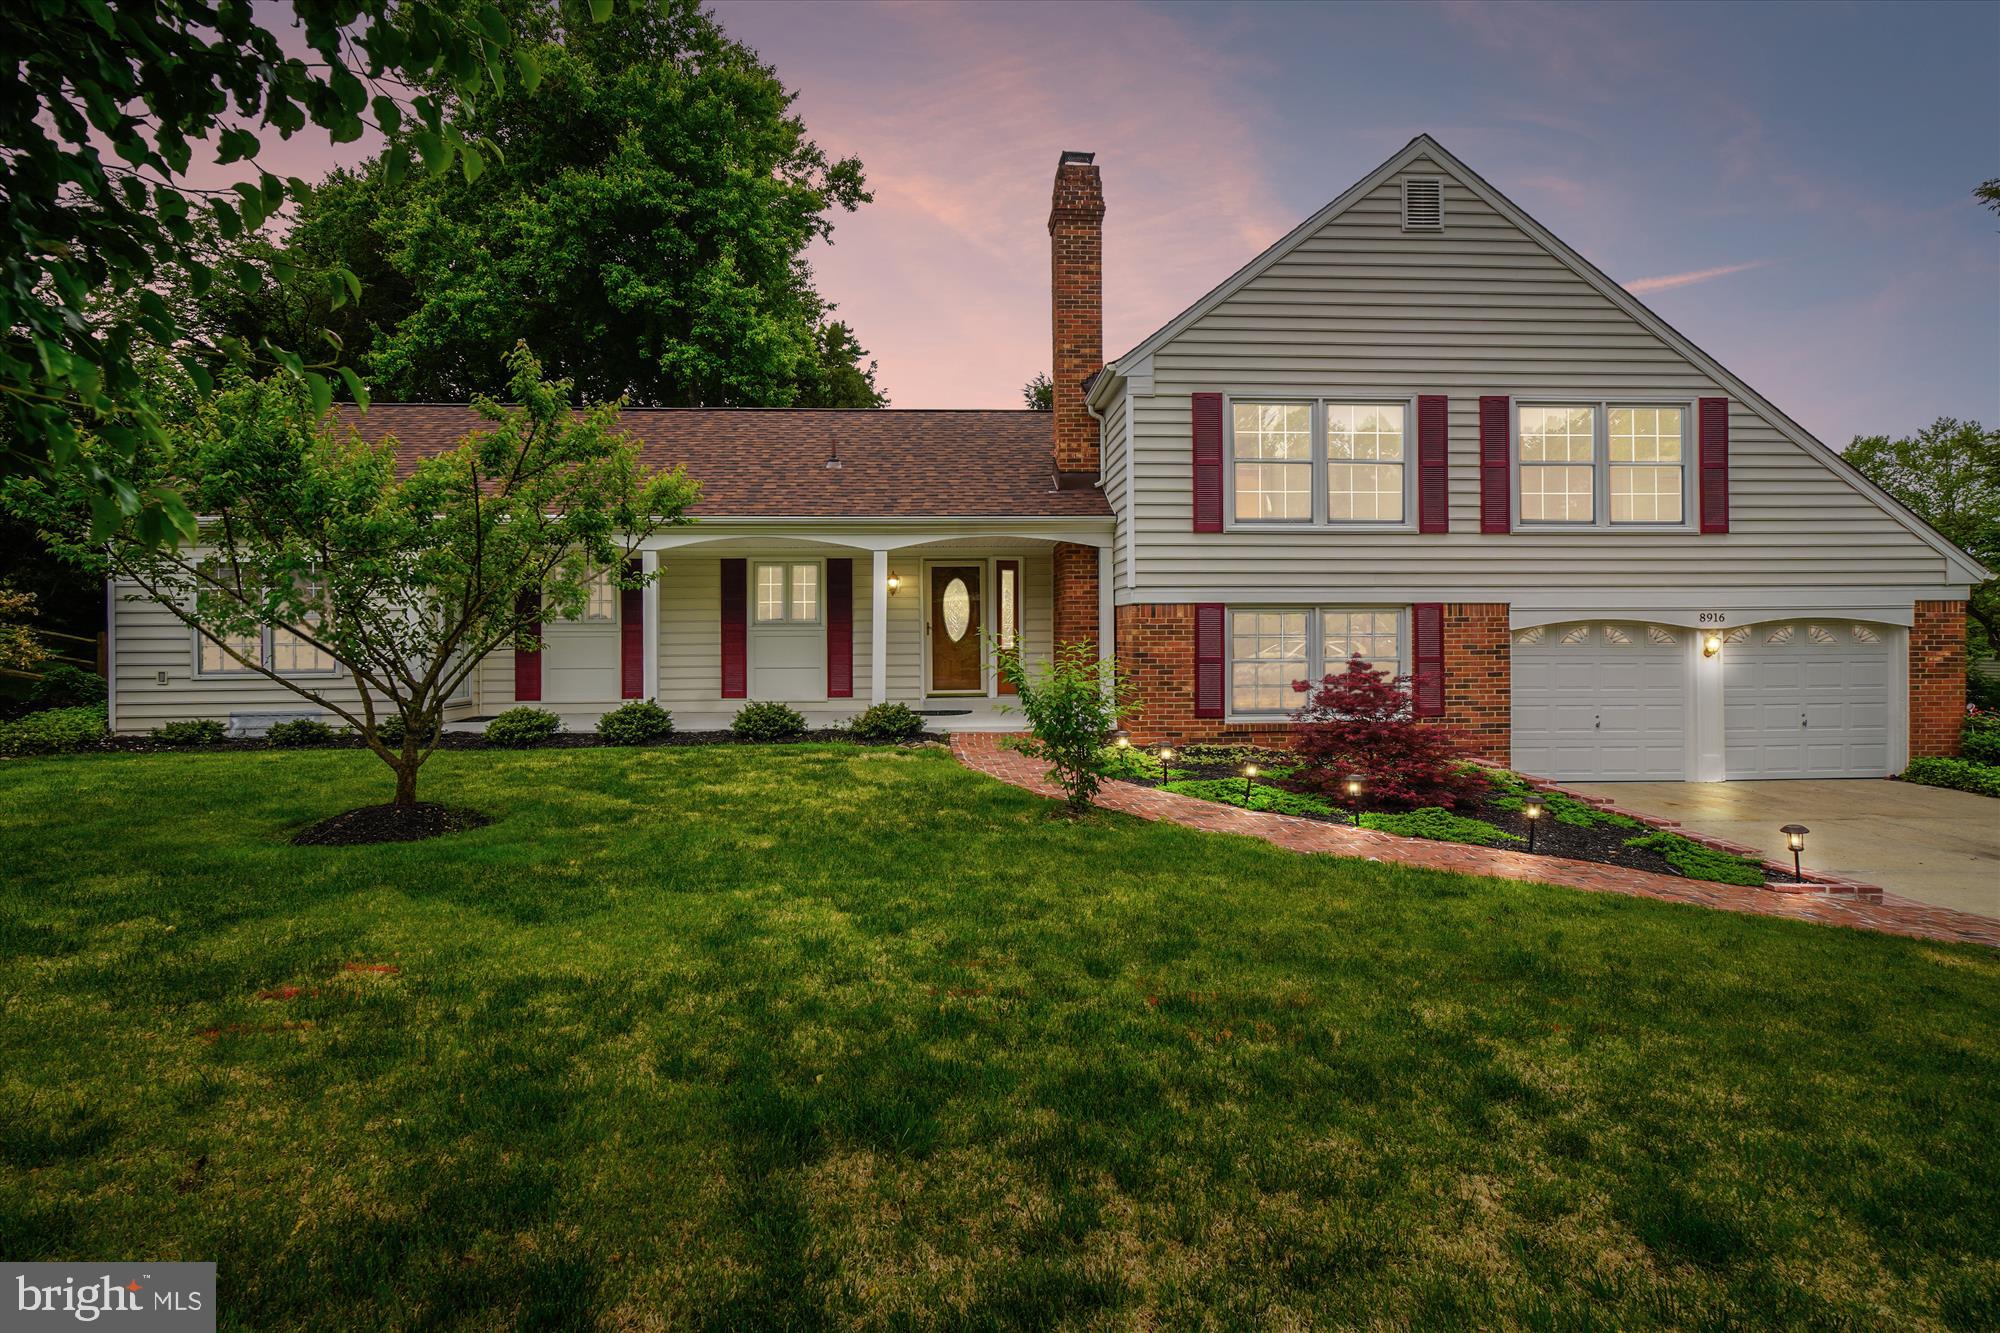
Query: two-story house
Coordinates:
[1419,428]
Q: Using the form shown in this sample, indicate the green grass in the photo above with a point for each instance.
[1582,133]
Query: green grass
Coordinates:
[827,1037]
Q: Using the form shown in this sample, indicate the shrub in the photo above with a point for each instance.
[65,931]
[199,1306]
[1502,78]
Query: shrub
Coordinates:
[1979,738]
[1070,712]
[886,724]
[1957,774]
[200,731]
[1263,796]
[53,731]
[522,726]
[640,722]
[389,730]
[299,733]
[1361,722]
[1439,826]
[767,722]
[1202,754]
[1699,862]
[67,687]
[1562,809]
[1983,691]
[1131,764]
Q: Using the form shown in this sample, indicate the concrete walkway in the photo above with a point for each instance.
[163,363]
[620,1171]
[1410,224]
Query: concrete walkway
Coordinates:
[1935,846]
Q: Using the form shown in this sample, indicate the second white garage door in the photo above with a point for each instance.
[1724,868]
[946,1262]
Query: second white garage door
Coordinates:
[1601,701]
[1806,700]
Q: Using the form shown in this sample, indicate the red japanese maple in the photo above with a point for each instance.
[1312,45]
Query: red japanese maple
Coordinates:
[1360,721]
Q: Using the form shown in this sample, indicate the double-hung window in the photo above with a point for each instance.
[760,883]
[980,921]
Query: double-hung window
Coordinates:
[600,600]
[274,649]
[1271,649]
[788,593]
[1319,461]
[1603,464]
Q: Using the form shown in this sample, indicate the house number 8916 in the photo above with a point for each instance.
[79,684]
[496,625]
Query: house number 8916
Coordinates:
[1714,617]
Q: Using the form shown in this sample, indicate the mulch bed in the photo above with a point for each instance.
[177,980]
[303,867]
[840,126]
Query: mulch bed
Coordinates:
[462,740]
[389,823]
[1605,846]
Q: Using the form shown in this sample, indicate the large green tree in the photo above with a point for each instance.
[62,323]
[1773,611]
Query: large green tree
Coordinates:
[644,230]
[1948,474]
[405,580]
[102,115]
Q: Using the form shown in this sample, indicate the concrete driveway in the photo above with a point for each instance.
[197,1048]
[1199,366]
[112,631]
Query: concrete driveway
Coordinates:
[1938,847]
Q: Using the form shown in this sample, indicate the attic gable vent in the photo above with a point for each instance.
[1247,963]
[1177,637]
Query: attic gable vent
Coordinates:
[1423,203]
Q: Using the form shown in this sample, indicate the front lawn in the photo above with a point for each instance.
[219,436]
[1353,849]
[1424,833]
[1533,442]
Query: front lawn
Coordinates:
[824,1036]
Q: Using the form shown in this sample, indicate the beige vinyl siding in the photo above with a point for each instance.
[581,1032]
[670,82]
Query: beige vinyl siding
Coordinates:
[1482,308]
[1112,474]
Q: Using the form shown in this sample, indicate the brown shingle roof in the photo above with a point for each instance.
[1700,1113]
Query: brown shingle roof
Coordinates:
[894,463]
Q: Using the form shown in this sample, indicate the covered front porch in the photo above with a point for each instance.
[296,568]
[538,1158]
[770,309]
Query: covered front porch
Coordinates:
[828,622]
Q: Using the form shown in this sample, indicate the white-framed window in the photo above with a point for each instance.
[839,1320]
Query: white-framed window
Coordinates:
[787,592]
[1271,647]
[1602,464]
[1337,462]
[600,601]
[275,649]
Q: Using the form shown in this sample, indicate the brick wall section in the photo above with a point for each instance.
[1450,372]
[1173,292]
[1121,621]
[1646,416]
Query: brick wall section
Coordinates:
[1937,678]
[1075,593]
[1076,302]
[1156,652]
[1478,671]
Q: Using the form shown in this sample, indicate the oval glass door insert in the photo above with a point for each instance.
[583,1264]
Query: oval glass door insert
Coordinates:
[957,605]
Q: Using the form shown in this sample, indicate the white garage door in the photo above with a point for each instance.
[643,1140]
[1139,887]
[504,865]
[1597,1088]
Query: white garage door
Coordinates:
[1802,699]
[1601,701]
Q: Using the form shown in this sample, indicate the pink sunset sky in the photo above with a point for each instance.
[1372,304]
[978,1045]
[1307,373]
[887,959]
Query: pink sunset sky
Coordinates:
[1789,185]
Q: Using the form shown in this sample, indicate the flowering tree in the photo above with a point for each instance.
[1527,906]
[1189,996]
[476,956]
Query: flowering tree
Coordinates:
[1360,721]
[404,580]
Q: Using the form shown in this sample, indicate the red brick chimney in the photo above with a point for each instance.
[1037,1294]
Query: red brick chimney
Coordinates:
[1076,303]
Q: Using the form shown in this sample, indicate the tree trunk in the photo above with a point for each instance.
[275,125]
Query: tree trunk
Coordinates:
[406,781]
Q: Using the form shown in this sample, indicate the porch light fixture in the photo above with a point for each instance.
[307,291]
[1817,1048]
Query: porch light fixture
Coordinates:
[1249,778]
[1795,839]
[895,582]
[1166,757]
[1531,810]
[1352,785]
[1711,644]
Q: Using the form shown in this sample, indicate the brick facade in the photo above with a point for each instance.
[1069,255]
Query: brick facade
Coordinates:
[1478,671]
[1076,261]
[1156,652]
[1075,593]
[1937,678]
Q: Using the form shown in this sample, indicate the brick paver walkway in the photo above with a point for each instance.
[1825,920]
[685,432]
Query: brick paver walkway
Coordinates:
[983,752]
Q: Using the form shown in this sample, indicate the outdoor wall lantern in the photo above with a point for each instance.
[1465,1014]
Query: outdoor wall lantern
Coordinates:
[895,582]
[1249,777]
[1711,644]
[1166,757]
[1531,810]
[1795,839]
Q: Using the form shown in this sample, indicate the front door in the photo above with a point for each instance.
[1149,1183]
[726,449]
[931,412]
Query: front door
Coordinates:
[956,617]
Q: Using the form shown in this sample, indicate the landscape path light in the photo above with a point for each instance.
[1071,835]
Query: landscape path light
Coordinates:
[1249,776]
[1531,810]
[1795,839]
[1166,757]
[1353,784]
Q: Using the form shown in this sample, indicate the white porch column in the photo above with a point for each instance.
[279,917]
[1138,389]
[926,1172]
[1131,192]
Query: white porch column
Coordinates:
[649,618]
[878,638]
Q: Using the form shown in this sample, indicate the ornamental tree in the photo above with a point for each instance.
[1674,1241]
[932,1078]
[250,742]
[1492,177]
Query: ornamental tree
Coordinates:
[1361,721]
[1072,701]
[405,578]
[89,238]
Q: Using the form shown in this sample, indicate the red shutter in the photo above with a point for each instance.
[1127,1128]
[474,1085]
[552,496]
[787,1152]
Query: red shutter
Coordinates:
[1433,464]
[527,662]
[1715,465]
[1208,463]
[840,629]
[1427,656]
[1208,672]
[1496,483]
[632,636]
[735,628]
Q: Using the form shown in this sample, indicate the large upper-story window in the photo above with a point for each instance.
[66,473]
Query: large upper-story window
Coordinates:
[1598,464]
[1319,461]
[1270,649]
